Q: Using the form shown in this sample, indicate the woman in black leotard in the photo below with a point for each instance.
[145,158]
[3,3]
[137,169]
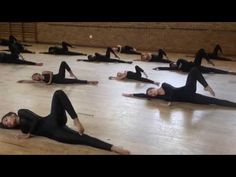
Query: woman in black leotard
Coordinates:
[155,57]
[54,126]
[126,50]
[186,66]
[134,76]
[48,77]
[105,58]
[18,46]
[186,93]
[215,54]
[14,57]
[64,50]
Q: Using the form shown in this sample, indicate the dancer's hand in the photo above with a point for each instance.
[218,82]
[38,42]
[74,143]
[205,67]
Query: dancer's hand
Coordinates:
[166,105]
[111,78]
[93,82]
[127,94]
[23,136]
[39,64]
[79,126]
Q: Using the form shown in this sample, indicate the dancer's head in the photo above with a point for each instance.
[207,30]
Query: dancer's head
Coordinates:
[119,74]
[12,38]
[90,57]
[37,77]
[146,56]
[9,121]
[65,44]
[152,92]
[161,51]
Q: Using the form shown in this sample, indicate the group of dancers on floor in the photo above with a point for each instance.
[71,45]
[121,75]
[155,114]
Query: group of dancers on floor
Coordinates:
[54,125]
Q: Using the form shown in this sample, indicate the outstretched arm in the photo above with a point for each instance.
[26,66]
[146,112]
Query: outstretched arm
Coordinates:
[142,95]
[139,95]
[28,81]
[165,68]
[84,60]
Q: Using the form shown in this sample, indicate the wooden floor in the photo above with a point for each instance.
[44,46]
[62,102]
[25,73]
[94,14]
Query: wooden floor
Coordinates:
[143,127]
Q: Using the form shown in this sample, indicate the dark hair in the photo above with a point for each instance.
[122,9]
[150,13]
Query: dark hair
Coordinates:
[90,57]
[12,38]
[171,63]
[51,50]
[149,89]
[161,52]
[8,114]
[35,75]
[64,44]
[202,52]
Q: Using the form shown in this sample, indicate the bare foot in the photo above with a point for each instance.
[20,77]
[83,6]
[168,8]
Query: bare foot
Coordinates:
[120,150]
[209,89]
[93,82]
[39,64]
[127,94]
[233,73]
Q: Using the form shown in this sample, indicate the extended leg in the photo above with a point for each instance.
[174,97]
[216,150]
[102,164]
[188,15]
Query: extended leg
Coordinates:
[202,99]
[194,76]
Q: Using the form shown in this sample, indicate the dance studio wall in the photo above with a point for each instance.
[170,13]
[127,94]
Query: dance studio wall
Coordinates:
[186,37]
